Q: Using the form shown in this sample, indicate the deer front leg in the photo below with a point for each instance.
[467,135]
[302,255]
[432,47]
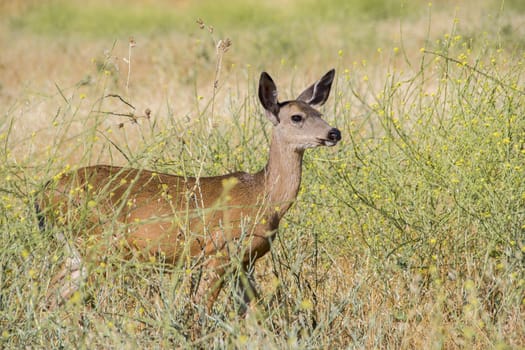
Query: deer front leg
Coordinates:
[68,279]
[212,270]
[208,287]
[210,282]
[246,288]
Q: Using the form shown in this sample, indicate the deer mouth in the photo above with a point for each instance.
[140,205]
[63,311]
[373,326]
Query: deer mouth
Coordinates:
[326,142]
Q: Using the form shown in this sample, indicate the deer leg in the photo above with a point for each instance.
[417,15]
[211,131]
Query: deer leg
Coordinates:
[210,283]
[68,279]
[212,271]
[208,288]
[246,288]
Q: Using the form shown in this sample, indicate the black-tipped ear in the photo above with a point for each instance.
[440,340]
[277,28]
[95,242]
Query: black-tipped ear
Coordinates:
[317,94]
[268,97]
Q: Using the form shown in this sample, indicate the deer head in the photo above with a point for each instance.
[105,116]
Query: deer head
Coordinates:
[297,122]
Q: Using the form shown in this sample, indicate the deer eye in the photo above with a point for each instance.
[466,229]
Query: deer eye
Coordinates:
[296,118]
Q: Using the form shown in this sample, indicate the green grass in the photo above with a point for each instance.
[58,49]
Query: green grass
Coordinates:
[408,234]
[102,19]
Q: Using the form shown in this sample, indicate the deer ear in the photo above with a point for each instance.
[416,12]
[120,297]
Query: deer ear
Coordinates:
[317,94]
[268,97]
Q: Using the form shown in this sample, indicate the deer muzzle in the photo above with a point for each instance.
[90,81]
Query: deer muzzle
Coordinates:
[334,136]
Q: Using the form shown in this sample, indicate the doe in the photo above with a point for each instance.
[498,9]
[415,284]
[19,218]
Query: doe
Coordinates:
[154,214]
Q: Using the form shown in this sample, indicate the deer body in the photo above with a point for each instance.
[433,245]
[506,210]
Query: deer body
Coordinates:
[171,216]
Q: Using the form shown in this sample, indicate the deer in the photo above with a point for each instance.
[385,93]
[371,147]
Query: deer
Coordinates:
[209,219]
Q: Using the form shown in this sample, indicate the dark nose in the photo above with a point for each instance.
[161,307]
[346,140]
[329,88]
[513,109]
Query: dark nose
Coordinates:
[334,135]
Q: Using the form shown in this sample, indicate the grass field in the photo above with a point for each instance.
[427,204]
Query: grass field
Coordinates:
[409,234]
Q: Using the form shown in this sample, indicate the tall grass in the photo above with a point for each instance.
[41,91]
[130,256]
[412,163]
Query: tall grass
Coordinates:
[431,191]
[409,234]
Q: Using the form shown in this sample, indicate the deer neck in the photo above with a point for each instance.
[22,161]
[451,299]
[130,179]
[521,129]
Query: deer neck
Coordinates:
[282,176]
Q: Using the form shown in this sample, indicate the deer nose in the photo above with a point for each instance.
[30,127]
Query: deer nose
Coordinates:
[334,135]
